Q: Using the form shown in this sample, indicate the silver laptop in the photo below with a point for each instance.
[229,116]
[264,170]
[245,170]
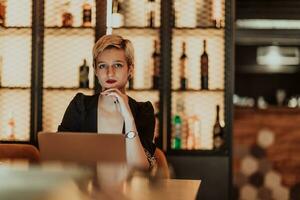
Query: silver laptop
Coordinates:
[82,147]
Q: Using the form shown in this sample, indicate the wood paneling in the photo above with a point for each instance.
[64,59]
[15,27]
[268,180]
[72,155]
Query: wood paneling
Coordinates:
[283,154]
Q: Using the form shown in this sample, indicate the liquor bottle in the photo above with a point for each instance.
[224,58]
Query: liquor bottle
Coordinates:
[217,13]
[183,59]
[84,75]
[218,132]
[204,68]
[176,144]
[179,126]
[67,17]
[2,13]
[156,67]
[193,132]
[117,17]
[86,14]
[151,13]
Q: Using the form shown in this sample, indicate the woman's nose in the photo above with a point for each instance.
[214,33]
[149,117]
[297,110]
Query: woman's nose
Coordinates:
[110,71]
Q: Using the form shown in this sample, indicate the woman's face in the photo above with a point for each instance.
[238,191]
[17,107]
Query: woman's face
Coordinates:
[112,69]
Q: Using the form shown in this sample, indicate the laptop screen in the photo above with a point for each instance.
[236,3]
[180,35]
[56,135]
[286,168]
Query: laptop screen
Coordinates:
[82,147]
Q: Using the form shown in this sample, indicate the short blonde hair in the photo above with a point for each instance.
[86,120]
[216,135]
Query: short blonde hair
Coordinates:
[114,41]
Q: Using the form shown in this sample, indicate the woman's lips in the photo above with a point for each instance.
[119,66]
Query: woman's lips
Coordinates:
[111,81]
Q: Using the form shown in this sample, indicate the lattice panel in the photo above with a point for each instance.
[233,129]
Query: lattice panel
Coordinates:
[137,12]
[64,52]
[199,13]
[15,70]
[18,13]
[54,10]
[55,104]
[14,114]
[143,43]
[203,106]
[15,56]
[194,48]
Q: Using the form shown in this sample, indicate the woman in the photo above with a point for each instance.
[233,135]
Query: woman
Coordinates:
[112,111]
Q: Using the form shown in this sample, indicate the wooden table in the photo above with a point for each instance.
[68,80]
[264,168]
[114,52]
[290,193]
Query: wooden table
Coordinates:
[59,182]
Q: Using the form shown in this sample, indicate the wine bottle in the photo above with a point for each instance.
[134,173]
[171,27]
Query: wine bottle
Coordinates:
[84,75]
[183,59]
[156,67]
[67,17]
[218,131]
[117,17]
[204,68]
[2,13]
[86,14]
[151,13]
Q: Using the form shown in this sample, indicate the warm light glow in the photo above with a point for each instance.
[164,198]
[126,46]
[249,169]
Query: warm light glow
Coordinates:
[194,48]
[109,14]
[14,107]
[185,13]
[15,50]
[19,15]
[59,65]
[205,114]
[275,56]
[54,10]
[268,23]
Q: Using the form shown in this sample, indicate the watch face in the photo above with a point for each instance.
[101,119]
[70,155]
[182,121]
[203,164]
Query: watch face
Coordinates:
[130,134]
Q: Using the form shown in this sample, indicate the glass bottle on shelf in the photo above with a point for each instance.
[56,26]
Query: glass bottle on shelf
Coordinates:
[151,13]
[193,133]
[117,17]
[156,68]
[204,68]
[84,75]
[67,16]
[2,13]
[183,59]
[217,13]
[176,143]
[218,132]
[179,139]
[86,14]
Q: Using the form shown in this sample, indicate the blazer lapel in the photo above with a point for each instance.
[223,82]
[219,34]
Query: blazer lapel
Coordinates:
[92,114]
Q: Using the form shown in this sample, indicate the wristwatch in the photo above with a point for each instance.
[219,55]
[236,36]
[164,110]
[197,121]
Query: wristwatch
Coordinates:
[130,134]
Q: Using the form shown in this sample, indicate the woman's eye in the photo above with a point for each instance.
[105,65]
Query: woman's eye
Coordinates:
[118,65]
[101,66]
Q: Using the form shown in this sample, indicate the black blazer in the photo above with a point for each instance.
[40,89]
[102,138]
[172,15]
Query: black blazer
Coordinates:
[81,116]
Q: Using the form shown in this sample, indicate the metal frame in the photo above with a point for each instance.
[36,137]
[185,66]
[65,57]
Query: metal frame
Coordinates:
[165,63]
[100,30]
[37,53]
[229,82]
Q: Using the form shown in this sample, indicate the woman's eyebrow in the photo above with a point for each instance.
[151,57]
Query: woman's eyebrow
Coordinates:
[119,61]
